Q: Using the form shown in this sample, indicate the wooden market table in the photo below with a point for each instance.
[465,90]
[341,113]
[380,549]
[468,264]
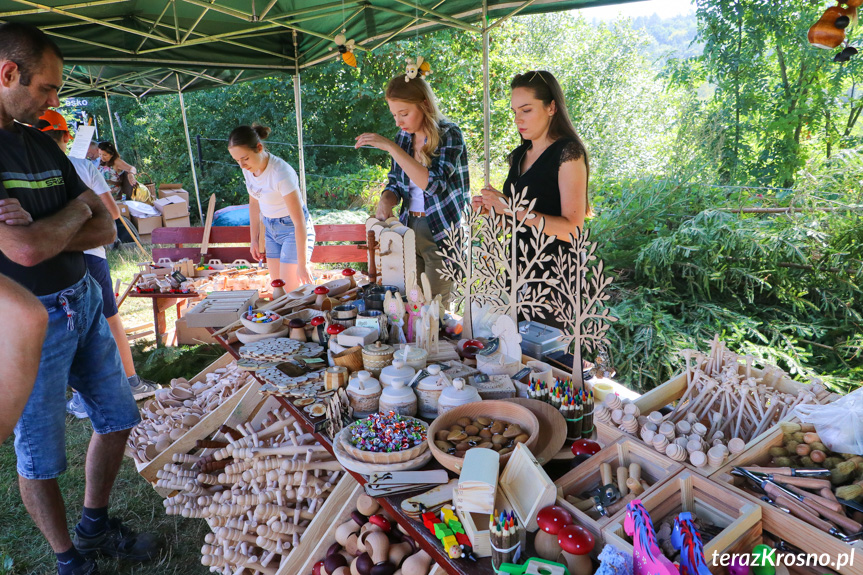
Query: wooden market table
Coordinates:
[162,302]
[391,504]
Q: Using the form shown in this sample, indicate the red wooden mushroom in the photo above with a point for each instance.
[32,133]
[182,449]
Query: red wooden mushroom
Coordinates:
[349,273]
[576,543]
[317,323]
[298,329]
[278,288]
[551,520]
[321,292]
[585,447]
[381,522]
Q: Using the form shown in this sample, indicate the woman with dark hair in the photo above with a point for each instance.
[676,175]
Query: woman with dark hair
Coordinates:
[429,173]
[117,173]
[551,164]
[275,199]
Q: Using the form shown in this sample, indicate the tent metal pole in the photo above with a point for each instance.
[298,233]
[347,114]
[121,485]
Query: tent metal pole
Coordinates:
[298,107]
[486,98]
[189,146]
[111,121]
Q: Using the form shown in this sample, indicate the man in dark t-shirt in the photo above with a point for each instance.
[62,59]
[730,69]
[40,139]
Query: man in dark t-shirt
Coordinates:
[45,256]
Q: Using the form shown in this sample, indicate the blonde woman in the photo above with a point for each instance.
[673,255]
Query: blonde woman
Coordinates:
[428,179]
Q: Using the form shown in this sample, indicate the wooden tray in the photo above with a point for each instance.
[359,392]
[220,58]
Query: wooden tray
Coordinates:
[552,428]
[494,409]
[364,468]
[673,389]
[656,469]
[789,528]
[379,458]
[689,491]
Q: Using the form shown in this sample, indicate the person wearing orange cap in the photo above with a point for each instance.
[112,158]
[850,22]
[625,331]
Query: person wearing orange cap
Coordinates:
[54,124]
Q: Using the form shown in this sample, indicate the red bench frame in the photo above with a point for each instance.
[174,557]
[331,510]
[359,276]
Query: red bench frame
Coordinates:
[180,237]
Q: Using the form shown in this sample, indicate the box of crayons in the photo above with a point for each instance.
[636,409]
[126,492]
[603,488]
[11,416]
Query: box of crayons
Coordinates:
[576,405]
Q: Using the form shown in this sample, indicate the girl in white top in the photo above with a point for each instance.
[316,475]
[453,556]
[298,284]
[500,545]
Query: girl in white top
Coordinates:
[275,201]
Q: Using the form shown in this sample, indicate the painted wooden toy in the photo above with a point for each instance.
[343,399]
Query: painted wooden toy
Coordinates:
[647,558]
[416,300]
[686,539]
[394,307]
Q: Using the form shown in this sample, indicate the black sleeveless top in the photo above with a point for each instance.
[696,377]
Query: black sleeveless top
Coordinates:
[542,184]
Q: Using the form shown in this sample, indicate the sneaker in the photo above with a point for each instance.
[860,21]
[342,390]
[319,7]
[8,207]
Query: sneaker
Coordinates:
[144,389]
[117,541]
[76,407]
[88,568]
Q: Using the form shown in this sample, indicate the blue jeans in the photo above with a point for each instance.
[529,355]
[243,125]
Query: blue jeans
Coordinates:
[79,351]
[282,240]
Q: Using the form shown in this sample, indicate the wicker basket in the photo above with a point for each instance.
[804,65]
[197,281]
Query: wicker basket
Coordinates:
[496,410]
[351,358]
[378,457]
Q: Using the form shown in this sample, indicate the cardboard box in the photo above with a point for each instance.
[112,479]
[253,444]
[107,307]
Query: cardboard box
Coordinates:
[167,190]
[183,222]
[172,207]
[124,209]
[147,225]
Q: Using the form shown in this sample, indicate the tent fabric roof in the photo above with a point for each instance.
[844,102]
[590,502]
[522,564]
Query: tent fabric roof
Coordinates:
[146,47]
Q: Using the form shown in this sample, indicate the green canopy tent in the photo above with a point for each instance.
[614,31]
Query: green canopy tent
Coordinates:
[138,48]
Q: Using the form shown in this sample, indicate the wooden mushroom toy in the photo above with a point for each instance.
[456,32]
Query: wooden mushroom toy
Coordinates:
[321,293]
[318,334]
[278,288]
[349,273]
[551,520]
[576,543]
[417,564]
[350,527]
[298,329]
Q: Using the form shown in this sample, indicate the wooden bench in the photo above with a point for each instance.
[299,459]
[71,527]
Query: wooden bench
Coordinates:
[180,238]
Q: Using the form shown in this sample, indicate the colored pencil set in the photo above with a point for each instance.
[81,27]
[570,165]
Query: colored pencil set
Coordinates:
[506,536]
[576,405]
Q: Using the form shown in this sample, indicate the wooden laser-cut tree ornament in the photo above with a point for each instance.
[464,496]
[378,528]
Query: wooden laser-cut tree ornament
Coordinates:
[458,266]
[578,303]
[512,281]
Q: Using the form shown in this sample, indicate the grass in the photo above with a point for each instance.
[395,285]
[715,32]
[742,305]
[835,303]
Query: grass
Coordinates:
[23,550]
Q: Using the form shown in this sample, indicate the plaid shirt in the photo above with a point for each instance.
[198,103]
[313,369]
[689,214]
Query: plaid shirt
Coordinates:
[448,190]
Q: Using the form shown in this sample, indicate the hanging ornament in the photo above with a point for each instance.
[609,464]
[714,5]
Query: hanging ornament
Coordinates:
[829,31]
[419,68]
[346,48]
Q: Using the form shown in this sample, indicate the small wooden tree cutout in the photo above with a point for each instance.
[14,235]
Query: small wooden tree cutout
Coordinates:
[458,266]
[511,281]
[578,303]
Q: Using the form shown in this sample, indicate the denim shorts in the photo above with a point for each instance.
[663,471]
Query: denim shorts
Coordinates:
[79,351]
[101,272]
[282,239]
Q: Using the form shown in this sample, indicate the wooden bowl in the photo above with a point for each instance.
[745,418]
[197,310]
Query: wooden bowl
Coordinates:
[245,335]
[382,458]
[493,409]
[351,358]
[263,328]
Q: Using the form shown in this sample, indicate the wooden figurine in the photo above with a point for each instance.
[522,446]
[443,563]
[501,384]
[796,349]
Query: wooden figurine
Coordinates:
[685,538]
[647,557]
[416,300]
[394,307]
[398,259]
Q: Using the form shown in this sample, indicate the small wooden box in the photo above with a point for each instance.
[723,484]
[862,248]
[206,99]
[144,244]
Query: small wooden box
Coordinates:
[689,491]
[526,486]
[476,525]
[493,386]
[789,528]
[673,389]
[656,469]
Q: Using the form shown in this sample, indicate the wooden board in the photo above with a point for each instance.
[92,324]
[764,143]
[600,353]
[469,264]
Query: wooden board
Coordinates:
[552,428]
[689,491]
[791,529]
[321,532]
[526,486]
[656,469]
